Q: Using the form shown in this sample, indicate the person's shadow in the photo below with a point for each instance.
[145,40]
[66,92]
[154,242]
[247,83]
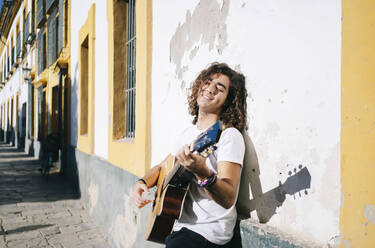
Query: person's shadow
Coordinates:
[264,204]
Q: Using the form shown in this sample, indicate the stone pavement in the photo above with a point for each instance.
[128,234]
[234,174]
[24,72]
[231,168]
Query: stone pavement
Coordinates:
[35,212]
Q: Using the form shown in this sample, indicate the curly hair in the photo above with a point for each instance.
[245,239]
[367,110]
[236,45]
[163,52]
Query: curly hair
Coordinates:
[234,111]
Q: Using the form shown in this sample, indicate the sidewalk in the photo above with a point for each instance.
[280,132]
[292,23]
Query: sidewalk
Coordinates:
[35,212]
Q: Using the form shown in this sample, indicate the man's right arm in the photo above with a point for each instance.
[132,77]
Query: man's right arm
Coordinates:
[149,180]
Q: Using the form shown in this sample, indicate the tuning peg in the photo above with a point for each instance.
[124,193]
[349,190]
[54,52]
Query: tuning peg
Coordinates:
[300,166]
[306,192]
[299,194]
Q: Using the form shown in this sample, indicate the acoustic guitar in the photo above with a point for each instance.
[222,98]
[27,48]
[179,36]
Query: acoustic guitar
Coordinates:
[173,184]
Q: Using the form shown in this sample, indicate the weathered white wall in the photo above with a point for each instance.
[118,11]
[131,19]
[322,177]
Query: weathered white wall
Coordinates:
[290,54]
[15,83]
[79,13]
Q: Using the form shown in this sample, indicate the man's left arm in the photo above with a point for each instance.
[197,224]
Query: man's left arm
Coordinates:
[224,190]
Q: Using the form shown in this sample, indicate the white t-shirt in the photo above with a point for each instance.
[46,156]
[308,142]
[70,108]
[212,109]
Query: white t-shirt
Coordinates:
[200,213]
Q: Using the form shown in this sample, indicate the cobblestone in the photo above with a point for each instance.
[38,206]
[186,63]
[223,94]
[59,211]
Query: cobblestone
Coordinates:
[40,213]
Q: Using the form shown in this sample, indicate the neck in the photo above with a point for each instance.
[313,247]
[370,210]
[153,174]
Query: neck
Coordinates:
[205,120]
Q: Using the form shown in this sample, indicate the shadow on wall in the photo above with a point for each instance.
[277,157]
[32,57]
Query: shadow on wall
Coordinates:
[70,168]
[265,204]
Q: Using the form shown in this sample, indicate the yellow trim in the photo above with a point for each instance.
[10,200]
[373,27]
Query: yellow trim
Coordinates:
[86,142]
[134,156]
[357,124]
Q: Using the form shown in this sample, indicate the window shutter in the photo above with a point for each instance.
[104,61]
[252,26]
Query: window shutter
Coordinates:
[18,50]
[51,37]
[27,28]
[12,56]
[49,5]
[60,22]
[40,13]
[40,51]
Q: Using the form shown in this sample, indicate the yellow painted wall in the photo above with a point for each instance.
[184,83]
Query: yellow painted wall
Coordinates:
[357,219]
[134,155]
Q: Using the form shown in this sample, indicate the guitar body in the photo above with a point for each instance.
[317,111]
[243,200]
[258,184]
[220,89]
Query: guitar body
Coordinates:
[173,184]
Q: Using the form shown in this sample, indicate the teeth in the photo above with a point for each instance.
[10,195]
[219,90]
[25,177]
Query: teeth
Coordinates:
[207,97]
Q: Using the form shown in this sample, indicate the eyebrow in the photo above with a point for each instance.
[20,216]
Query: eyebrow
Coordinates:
[222,85]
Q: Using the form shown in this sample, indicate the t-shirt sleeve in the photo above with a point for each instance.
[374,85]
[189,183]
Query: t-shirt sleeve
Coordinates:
[231,146]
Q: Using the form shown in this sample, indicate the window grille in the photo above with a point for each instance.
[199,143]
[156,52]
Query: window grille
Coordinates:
[130,75]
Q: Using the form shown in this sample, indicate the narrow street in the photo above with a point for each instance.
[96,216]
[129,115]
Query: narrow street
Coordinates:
[36,212]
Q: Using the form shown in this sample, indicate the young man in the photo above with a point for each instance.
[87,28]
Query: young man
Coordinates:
[209,212]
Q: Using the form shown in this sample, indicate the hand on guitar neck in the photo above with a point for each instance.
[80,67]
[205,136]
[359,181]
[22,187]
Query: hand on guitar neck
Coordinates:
[194,162]
[140,187]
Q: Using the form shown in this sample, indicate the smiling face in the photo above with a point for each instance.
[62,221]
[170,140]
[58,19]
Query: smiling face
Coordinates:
[213,93]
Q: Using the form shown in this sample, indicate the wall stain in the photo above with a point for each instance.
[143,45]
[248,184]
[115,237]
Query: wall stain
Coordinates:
[125,226]
[93,191]
[206,25]
[369,213]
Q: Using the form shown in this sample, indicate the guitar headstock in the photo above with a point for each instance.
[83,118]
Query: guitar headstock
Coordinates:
[301,180]
[207,139]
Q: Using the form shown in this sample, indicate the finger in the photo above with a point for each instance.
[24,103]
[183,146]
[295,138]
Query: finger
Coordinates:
[145,188]
[187,151]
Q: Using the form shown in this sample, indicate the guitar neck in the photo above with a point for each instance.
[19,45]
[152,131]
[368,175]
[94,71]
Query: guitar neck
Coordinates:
[178,176]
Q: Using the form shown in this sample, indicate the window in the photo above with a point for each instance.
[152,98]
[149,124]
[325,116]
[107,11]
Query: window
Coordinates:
[84,87]
[129,79]
[124,70]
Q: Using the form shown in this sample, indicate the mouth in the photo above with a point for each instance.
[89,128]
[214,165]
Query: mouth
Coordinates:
[207,96]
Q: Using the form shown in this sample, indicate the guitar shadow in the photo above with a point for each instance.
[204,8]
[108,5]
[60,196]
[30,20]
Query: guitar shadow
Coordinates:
[265,204]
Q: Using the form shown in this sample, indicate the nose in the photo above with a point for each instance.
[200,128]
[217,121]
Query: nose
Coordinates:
[211,88]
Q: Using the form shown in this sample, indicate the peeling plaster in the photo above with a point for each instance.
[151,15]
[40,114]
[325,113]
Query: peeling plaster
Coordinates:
[93,196]
[206,25]
[334,242]
[369,213]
